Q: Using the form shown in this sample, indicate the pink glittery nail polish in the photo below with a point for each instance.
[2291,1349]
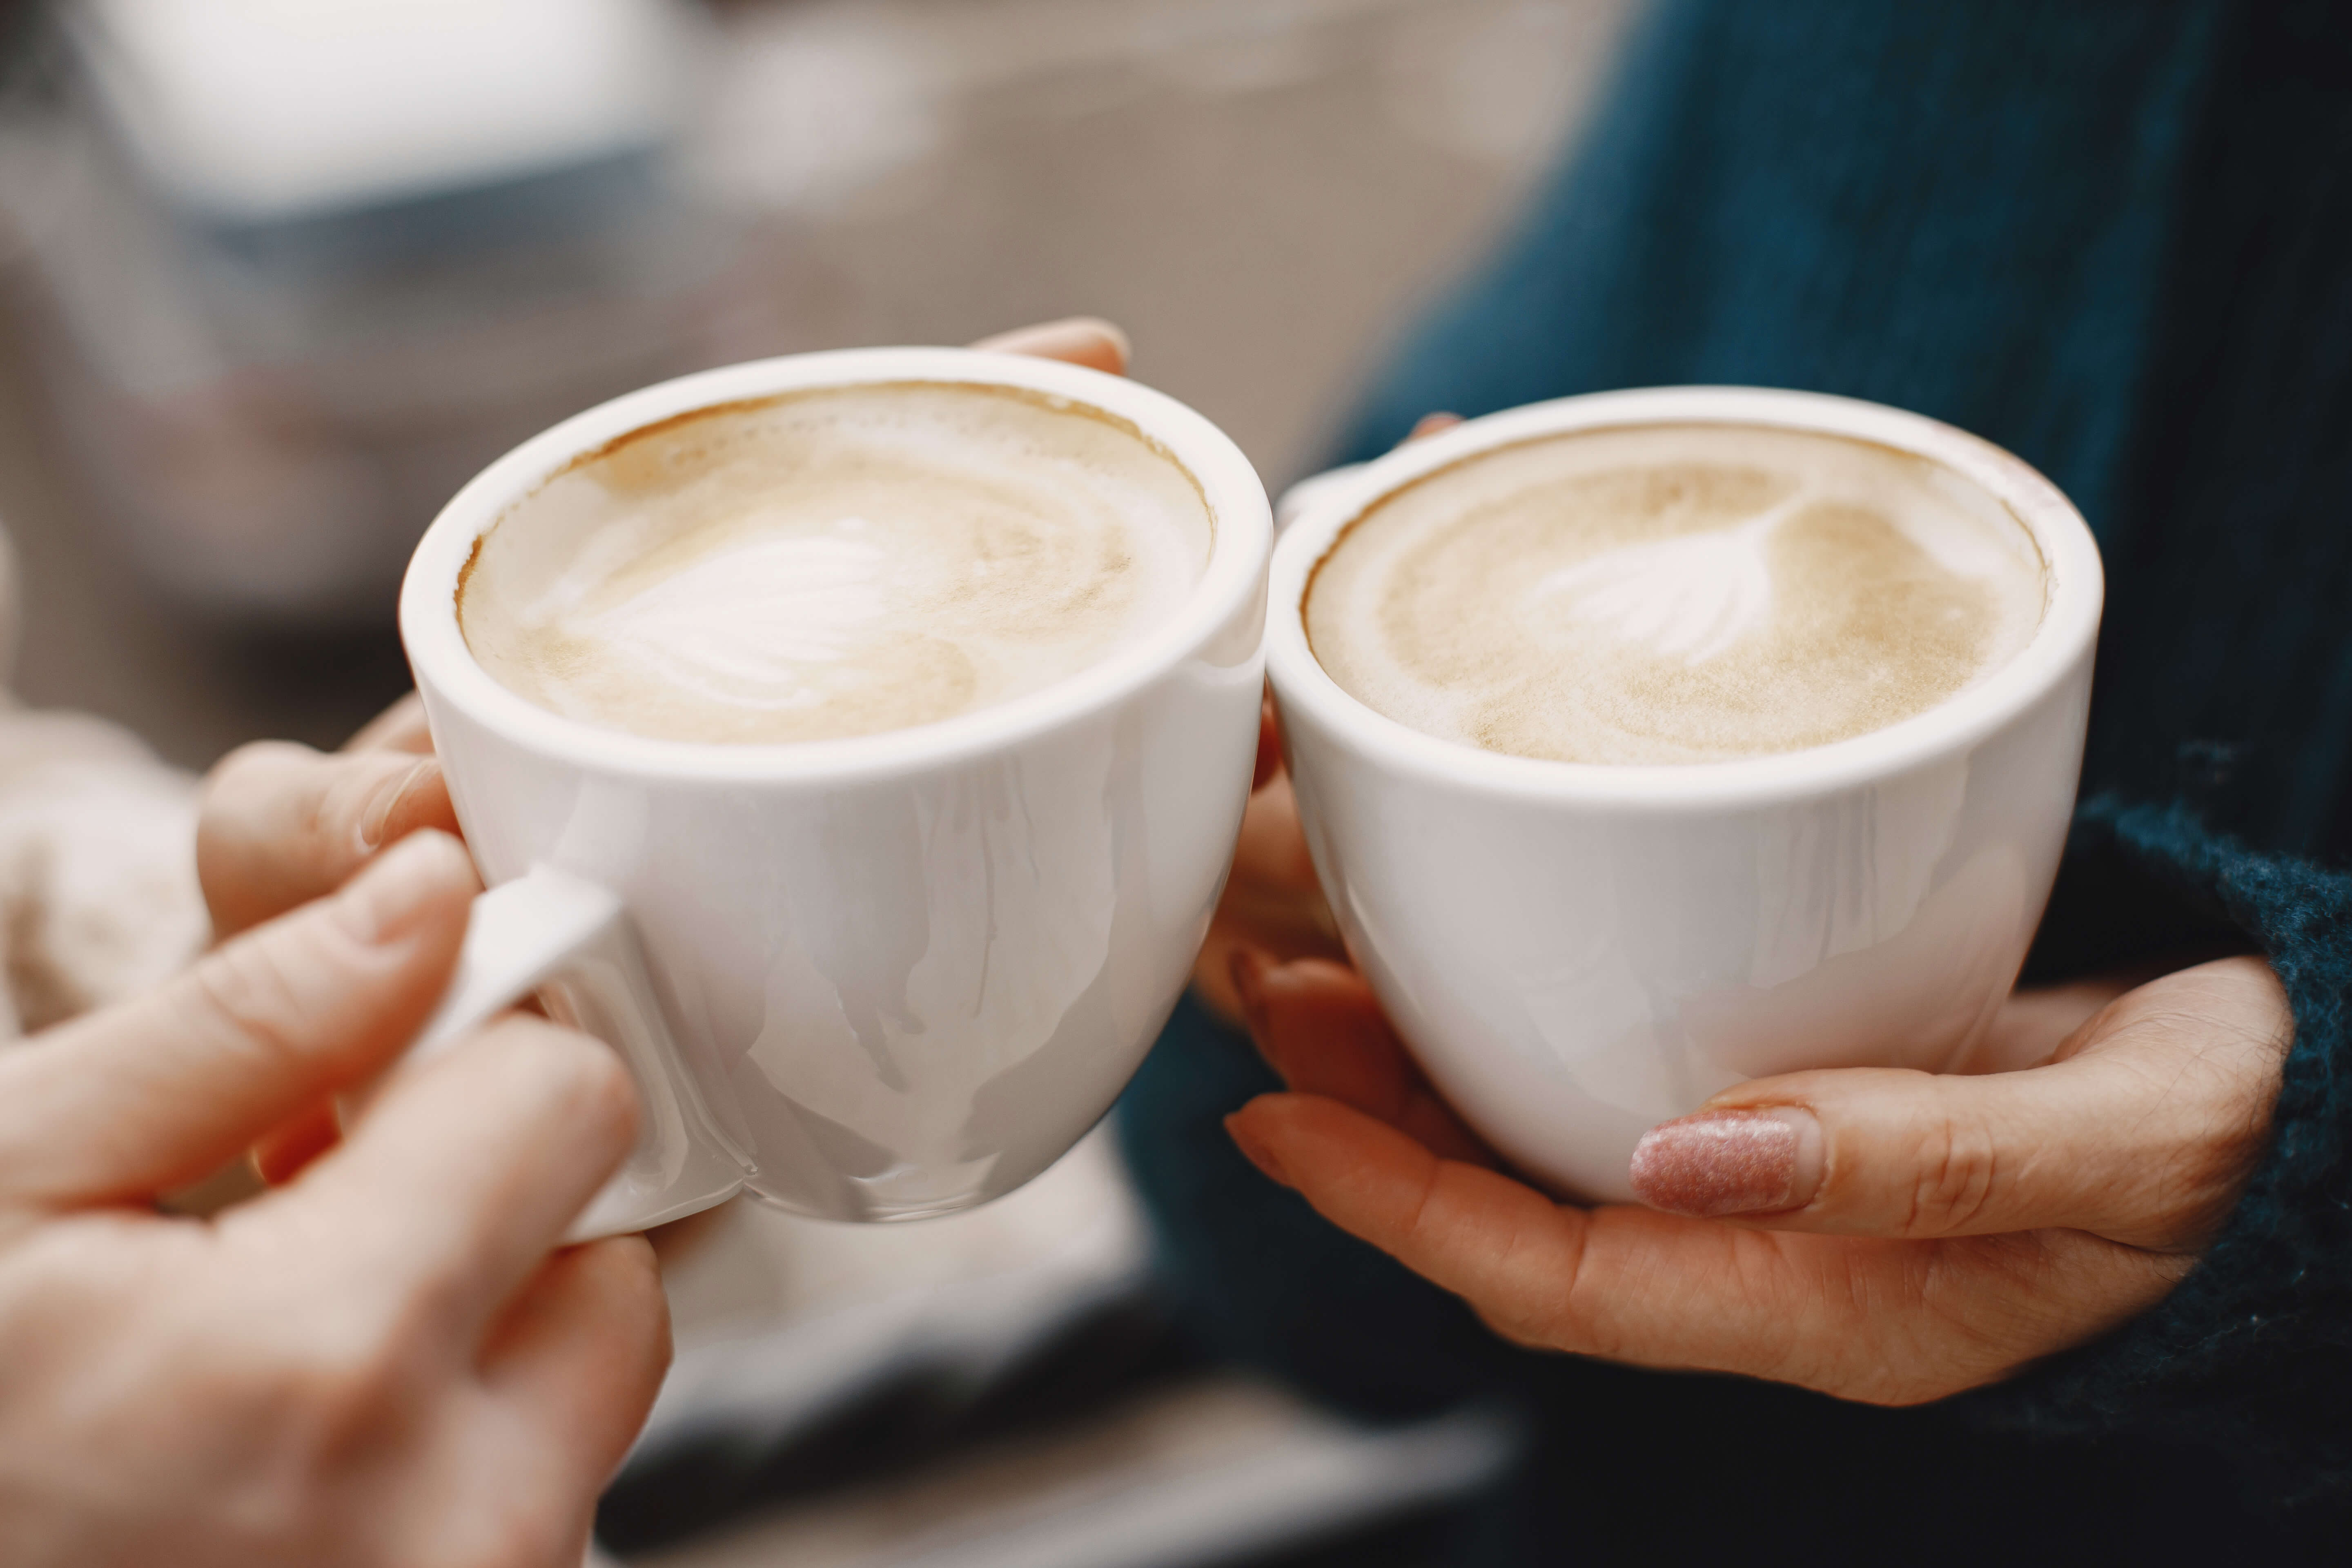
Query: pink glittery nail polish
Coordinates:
[1717,1163]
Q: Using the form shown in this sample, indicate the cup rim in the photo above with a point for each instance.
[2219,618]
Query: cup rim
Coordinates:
[2068,632]
[1241,527]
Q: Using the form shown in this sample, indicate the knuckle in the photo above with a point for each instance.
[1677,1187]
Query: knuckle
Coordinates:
[1565,1316]
[343,1383]
[341,1359]
[244,768]
[247,794]
[307,1394]
[237,818]
[246,992]
[1958,1172]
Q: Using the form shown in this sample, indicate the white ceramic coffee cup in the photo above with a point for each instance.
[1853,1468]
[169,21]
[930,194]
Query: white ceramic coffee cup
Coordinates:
[873,978]
[1576,953]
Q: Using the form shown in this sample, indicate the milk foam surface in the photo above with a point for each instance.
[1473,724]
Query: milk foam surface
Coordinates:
[834,564]
[1684,594]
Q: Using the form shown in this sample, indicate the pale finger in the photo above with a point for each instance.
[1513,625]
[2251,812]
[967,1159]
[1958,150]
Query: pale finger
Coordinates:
[464,1170]
[1086,341]
[580,1354]
[281,825]
[121,1104]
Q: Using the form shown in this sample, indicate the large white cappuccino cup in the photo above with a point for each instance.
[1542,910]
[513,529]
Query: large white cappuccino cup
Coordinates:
[1577,953]
[871,978]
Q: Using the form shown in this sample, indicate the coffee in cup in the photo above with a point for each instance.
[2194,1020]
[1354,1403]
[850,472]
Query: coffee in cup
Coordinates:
[1673,594]
[834,562]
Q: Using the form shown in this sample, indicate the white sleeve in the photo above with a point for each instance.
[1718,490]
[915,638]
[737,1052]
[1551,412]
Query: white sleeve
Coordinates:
[99,898]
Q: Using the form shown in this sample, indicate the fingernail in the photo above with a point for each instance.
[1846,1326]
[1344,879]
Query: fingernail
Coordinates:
[390,795]
[1248,966]
[1723,1161]
[1255,1151]
[394,896]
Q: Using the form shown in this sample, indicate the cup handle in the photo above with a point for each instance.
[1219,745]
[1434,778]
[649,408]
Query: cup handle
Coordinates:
[1309,491]
[570,940]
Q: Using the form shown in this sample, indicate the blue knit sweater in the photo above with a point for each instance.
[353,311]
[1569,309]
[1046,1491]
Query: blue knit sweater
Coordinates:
[2117,239]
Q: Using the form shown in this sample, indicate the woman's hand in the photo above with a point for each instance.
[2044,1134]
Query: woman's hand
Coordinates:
[378,1364]
[1898,1236]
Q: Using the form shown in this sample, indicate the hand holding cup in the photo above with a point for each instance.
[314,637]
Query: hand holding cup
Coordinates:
[378,1362]
[1875,1234]
[1577,951]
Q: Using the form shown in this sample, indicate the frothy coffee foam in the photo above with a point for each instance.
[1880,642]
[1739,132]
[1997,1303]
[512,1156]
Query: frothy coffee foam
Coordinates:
[1684,594]
[834,564]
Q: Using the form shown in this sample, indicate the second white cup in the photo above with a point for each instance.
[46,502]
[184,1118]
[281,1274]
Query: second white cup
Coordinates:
[1576,953]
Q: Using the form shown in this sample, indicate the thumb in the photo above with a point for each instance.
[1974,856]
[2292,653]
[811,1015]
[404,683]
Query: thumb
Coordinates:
[1887,1152]
[2143,1131]
[127,1103]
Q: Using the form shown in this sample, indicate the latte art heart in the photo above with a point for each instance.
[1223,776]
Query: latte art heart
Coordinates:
[1683,594]
[1691,599]
[761,625]
[834,564]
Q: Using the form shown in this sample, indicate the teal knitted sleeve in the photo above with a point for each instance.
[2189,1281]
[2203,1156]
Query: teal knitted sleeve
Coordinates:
[2251,1355]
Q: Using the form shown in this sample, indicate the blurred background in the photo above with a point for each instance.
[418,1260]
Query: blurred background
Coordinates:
[277,275]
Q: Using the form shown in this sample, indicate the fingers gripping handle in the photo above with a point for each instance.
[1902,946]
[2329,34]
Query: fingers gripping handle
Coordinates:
[571,939]
[517,937]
